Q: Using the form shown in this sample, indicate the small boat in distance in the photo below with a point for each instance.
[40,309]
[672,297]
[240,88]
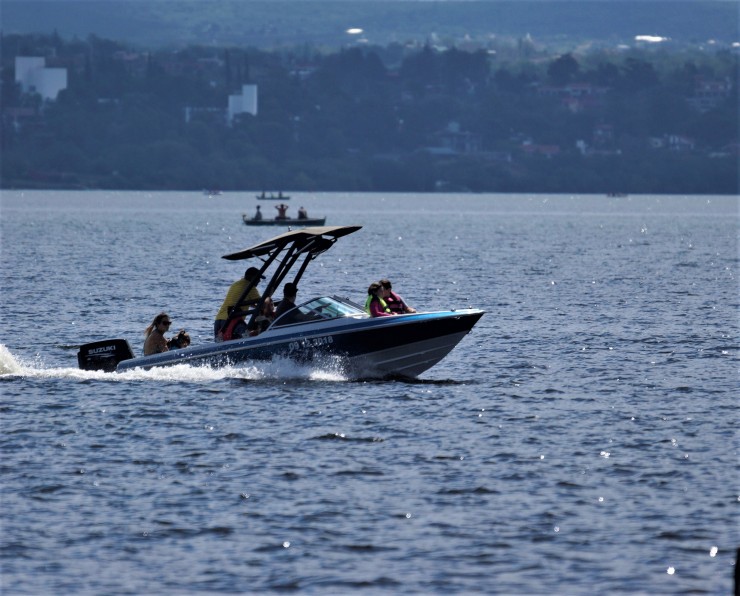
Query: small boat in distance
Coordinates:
[211,193]
[327,330]
[293,222]
[273,197]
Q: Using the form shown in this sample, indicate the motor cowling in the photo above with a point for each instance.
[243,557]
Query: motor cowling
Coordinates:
[104,355]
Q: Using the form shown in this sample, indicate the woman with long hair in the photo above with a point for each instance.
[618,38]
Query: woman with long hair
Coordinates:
[155,341]
[375,306]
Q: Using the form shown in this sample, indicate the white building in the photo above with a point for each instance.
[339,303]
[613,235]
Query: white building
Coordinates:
[34,77]
[243,103]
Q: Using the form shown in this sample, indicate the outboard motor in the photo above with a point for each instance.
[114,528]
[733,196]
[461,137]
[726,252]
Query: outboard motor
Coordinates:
[104,355]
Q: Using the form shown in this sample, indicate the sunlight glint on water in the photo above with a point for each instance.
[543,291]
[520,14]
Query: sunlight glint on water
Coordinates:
[579,440]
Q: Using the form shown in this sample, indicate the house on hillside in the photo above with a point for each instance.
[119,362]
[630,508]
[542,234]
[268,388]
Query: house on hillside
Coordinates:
[709,93]
[575,96]
[454,141]
[548,151]
[676,143]
[34,77]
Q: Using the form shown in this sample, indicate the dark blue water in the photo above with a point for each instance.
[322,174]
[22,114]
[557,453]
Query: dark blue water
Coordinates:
[581,440]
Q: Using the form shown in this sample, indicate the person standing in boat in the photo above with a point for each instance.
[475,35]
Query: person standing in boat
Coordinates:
[258,215]
[236,328]
[155,342]
[282,210]
[375,305]
[394,301]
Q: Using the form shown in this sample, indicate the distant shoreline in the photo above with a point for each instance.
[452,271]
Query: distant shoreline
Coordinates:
[250,192]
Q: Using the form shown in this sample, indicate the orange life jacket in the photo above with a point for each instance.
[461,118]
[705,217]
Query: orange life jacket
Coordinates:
[228,331]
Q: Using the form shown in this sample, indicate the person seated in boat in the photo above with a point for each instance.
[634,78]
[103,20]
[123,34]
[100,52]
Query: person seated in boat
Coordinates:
[234,328]
[290,291]
[287,304]
[155,341]
[375,305]
[266,316]
[258,215]
[302,213]
[282,210]
[394,301]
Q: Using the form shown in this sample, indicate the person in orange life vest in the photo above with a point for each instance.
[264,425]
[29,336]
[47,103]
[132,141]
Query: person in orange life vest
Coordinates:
[393,300]
[236,327]
[375,305]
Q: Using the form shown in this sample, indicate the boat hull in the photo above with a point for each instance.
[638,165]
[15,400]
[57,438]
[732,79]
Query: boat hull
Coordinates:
[400,346]
[292,222]
[264,197]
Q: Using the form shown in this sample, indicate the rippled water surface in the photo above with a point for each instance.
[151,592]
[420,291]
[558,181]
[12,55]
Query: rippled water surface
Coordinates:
[581,440]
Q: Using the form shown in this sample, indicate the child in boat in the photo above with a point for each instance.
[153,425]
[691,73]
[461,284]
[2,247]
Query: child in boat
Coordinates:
[375,305]
[266,316]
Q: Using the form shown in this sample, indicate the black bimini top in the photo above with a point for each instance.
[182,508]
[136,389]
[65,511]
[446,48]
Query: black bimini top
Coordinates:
[315,240]
[297,248]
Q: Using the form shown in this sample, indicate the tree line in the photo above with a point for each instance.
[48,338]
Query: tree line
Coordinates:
[370,119]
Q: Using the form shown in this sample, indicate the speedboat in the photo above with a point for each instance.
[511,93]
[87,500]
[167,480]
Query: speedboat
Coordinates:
[271,197]
[328,331]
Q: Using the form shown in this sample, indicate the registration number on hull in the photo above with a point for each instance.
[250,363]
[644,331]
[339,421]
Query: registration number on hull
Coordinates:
[309,343]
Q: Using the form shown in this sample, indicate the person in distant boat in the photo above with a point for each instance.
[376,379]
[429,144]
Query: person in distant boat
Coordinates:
[394,301]
[282,210]
[155,341]
[223,328]
[375,305]
[302,213]
[258,215]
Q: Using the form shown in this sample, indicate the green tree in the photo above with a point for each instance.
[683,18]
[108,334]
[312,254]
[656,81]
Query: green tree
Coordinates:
[563,69]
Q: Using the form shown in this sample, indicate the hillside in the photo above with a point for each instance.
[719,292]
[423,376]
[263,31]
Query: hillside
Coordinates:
[276,23]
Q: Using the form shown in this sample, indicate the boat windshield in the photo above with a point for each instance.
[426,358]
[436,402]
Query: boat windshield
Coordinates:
[324,308]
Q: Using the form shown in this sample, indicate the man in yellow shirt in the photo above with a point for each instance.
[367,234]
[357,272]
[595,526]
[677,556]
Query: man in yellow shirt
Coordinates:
[251,275]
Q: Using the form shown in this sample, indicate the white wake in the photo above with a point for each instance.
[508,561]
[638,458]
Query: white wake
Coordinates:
[279,369]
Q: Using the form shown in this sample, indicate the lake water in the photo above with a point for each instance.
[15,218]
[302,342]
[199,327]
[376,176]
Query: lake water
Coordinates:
[583,439]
